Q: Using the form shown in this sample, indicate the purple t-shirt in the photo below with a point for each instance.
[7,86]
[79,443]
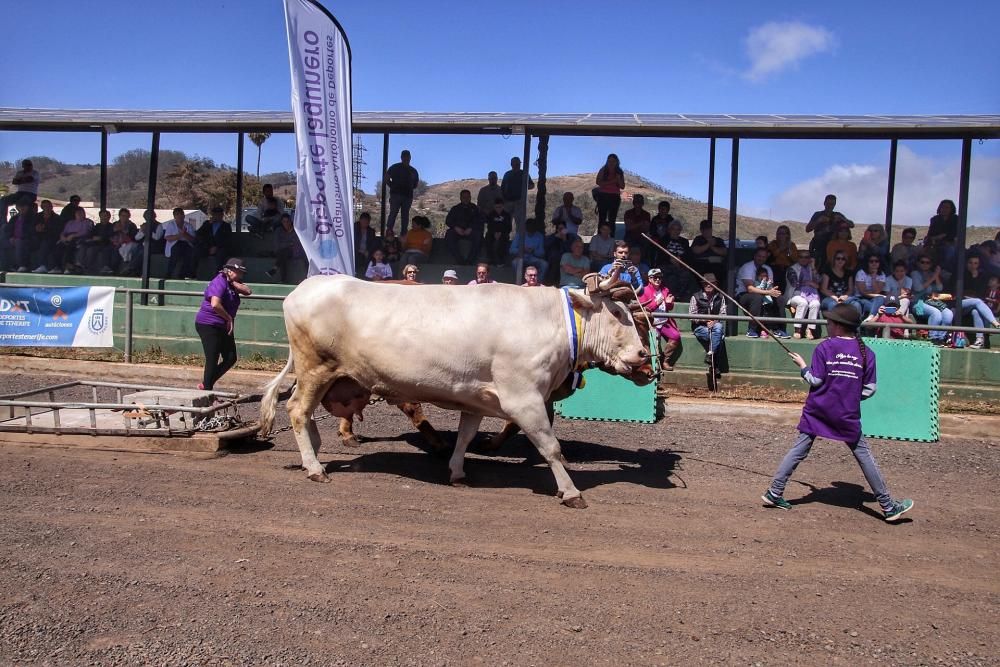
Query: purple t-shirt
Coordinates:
[230,298]
[833,409]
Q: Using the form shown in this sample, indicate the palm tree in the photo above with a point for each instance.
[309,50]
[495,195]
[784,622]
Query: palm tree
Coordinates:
[258,139]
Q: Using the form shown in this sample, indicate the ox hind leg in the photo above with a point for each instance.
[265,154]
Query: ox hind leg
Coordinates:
[468,426]
[301,407]
[416,414]
[346,431]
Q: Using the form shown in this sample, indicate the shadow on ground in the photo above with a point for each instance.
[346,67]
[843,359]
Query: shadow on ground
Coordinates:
[500,469]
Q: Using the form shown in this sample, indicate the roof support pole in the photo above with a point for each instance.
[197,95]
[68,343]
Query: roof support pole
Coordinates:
[154,164]
[238,227]
[711,178]
[381,194]
[890,194]
[523,205]
[963,221]
[104,169]
[734,178]
[542,188]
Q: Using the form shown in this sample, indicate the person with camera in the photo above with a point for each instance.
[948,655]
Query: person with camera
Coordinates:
[823,224]
[216,318]
[621,269]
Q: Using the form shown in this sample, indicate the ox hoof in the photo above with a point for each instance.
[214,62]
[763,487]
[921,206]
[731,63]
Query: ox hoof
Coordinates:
[351,442]
[577,503]
[460,482]
[320,477]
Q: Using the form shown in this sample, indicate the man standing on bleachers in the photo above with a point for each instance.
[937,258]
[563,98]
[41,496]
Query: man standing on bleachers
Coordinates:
[26,180]
[402,180]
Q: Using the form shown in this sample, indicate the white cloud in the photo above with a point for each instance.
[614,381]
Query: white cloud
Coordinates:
[774,46]
[921,183]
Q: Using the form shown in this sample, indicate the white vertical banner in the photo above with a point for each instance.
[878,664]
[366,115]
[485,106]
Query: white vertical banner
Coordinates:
[320,59]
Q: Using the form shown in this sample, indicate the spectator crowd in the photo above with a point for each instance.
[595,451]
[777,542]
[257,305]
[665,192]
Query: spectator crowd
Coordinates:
[911,281]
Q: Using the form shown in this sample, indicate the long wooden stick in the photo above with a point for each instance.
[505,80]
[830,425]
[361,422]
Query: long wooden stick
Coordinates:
[721,291]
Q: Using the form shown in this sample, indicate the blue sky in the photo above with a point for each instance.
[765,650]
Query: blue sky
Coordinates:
[777,57]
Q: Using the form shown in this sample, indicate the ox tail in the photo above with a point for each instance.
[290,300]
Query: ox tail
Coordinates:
[270,400]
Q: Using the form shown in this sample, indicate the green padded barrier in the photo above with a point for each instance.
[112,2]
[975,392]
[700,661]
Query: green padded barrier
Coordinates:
[905,405]
[607,397]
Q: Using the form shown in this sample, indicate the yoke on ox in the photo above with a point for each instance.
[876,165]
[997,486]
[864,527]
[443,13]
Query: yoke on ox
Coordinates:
[491,350]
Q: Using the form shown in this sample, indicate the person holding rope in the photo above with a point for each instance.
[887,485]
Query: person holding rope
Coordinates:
[216,318]
[841,375]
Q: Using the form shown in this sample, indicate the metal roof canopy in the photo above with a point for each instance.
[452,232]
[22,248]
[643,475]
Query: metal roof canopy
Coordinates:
[746,126]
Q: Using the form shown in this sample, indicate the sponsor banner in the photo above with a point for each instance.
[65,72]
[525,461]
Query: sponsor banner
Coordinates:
[320,60]
[57,316]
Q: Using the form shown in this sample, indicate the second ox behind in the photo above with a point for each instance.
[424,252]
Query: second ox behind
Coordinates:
[496,350]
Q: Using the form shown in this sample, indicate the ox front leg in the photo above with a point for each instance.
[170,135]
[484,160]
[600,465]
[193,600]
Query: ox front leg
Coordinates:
[539,431]
[468,426]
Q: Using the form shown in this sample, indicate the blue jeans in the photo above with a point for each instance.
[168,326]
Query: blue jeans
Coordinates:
[713,337]
[829,303]
[982,316]
[399,204]
[800,450]
[870,306]
[935,317]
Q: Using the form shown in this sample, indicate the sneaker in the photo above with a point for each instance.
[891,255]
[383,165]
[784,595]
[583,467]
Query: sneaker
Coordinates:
[201,386]
[68,272]
[780,334]
[270,273]
[771,500]
[753,334]
[106,271]
[41,269]
[708,358]
[796,335]
[55,270]
[22,269]
[899,508]
[763,334]
[977,345]
[995,324]
[810,335]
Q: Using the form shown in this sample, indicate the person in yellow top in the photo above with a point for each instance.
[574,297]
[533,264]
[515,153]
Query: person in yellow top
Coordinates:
[417,242]
[842,243]
[783,254]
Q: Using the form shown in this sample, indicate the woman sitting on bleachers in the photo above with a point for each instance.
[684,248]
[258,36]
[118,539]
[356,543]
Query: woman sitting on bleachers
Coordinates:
[869,286]
[837,284]
[926,285]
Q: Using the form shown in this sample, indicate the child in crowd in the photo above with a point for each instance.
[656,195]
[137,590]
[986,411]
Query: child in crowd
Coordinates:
[993,294]
[764,282]
[377,268]
[391,246]
[841,375]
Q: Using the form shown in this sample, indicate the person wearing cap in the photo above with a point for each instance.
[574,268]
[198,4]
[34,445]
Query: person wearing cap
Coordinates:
[213,237]
[841,375]
[450,277]
[657,297]
[216,318]
[710,332]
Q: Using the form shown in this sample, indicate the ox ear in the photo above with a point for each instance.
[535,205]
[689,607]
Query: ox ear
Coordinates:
[592,282]
[581,299]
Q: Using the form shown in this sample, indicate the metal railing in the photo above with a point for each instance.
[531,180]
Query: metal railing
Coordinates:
[130,293]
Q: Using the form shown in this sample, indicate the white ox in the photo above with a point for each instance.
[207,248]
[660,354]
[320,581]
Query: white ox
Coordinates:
[490,350]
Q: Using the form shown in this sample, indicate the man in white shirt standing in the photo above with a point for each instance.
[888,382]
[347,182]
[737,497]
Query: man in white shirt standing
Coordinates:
[179,234]
[26,180]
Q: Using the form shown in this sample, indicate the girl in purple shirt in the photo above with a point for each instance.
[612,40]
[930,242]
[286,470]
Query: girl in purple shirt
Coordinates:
[842,374]
[215,318]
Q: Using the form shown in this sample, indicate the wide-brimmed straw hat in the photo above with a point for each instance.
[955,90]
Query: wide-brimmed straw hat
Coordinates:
[844,314]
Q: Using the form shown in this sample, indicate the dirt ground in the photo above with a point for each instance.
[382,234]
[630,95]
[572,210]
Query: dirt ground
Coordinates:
[120,558]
